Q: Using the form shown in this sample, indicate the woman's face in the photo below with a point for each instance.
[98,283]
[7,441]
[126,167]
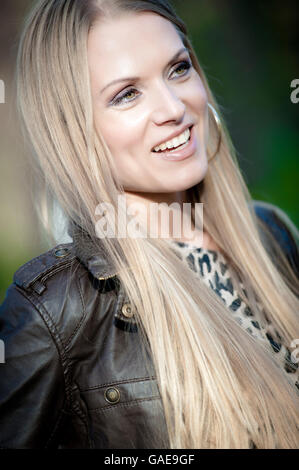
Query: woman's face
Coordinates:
[142,95]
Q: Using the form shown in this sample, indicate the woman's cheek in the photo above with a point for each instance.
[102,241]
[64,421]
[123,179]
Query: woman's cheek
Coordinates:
[198,91]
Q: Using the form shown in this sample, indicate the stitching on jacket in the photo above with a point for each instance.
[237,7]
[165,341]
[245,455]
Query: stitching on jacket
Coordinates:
[56,269]
[38,307]
[55,336]
[126,404]
[77,411]
[29,263]
[119,382]
[77,327]
[120,299]
[37,258]
[63,355]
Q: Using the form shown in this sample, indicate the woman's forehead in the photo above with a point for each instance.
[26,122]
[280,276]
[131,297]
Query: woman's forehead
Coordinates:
[133,32]
[129,41]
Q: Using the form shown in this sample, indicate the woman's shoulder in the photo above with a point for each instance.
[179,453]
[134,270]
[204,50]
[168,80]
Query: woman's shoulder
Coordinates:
[32,273]
[276,218]
[35,351]
[45,291]
[281,227]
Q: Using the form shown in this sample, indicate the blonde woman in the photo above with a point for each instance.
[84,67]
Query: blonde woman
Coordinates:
[149,341]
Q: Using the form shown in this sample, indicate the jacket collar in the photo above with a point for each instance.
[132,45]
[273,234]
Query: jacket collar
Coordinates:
[99,264]
[103,272]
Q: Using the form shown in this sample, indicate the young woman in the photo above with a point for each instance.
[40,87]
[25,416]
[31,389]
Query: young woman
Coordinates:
[142,342]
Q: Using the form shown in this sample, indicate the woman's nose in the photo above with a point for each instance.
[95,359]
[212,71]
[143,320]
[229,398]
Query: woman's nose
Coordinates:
[167,106]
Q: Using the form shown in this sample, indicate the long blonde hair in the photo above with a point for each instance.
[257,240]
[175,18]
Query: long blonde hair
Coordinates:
[220,388]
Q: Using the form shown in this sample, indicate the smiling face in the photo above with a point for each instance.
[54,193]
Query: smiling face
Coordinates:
[161,96]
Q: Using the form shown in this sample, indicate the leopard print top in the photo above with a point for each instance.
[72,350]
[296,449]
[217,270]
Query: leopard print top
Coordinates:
[212,267]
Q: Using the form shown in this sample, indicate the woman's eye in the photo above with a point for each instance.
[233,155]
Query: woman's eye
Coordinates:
[184,67]
[130,94]
[126,97]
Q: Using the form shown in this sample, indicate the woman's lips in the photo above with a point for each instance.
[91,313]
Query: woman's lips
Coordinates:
[179,154]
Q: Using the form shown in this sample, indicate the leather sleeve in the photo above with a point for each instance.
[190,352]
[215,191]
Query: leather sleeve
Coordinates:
[32,391]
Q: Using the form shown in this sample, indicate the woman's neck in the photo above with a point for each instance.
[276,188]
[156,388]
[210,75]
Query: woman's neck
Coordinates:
[176,224]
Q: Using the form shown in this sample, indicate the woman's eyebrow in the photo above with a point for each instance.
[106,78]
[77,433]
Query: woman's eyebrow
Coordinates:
[177,54]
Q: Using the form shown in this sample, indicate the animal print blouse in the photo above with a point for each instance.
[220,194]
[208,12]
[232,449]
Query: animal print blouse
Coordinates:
[212,267]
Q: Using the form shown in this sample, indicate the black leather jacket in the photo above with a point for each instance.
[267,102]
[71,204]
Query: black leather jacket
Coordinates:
[73,375]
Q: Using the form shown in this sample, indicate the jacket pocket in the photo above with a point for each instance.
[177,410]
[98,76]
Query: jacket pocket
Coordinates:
[120,393]
[126,415]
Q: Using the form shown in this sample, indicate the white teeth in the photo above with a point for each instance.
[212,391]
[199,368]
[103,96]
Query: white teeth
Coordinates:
[179,140]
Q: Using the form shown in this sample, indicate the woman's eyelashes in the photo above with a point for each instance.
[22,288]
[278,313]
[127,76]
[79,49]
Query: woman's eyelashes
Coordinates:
[125,97]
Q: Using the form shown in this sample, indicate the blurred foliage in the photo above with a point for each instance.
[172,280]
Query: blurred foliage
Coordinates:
[249,53]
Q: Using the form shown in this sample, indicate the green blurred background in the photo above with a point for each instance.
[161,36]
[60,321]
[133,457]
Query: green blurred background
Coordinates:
[248,50]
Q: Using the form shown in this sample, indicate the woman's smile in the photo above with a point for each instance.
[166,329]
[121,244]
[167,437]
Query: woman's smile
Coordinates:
[181,152]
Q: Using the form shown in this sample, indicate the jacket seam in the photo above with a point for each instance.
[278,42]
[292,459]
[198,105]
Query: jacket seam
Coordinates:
[29,263]
[62,355]
[55,337]
[34,260]
[53,270]
[127,381]
[78,326]
[126,404]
